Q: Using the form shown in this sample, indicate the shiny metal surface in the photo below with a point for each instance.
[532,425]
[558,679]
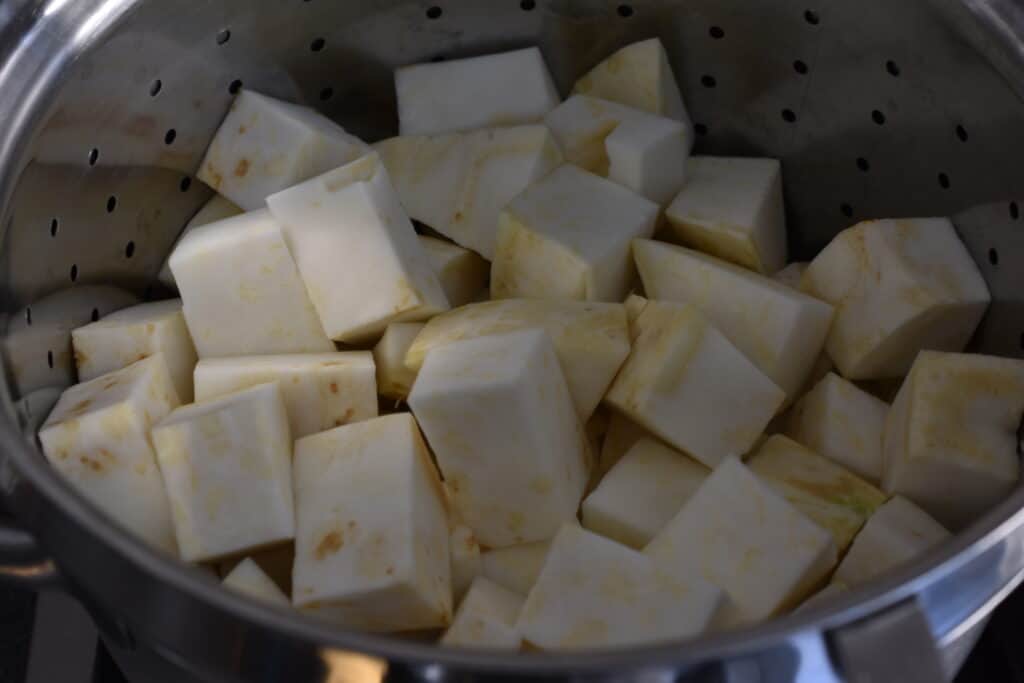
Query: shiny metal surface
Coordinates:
[875,108]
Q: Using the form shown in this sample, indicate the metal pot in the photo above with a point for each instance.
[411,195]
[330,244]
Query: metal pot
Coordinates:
[876,108]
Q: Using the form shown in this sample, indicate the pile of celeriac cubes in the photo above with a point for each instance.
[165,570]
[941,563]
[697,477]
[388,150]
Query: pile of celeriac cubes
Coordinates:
[512,445]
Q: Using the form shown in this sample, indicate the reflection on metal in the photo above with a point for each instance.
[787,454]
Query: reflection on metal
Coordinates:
[351,667]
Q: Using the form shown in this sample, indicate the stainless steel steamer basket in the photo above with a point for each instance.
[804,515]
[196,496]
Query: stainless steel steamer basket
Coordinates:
[876,107]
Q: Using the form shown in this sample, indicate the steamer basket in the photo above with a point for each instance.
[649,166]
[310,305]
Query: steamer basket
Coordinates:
[877,109]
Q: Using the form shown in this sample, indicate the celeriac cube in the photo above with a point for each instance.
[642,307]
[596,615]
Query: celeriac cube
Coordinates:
[951,440]
[320,390]
[134,333]
[394,378]
[371,548]
[638,76]
[97,437]
[458,184]
[898,286]
[276,562]
[473,399]
[248,578]
[503,89]
[635,305]
[591,339]
[642,493]
[895,534]
[594,592]
[463,273]
[829,495]
[781,330]
[218,208]
[241,292]
[357,251]
[568,237]
[465,554]
[227,470]
[486,618]
[741,535]
[640,151]
[515,567]
[688,385]
[792,274]
[842,423]
[265,145]
[621,436]
[731,207]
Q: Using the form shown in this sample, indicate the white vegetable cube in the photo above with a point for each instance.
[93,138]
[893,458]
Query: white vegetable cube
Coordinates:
[394,378]
[836,499]
[732,208]
[568,237]
[458,184]
[134,333]
[357,251]
[97,437]
[465,554]
[371,549]
[486,618]
[508,483]
[227,468]
[591,339]
[792,274]
[320,390]
[248,578]
[515,567]
[265,145]
[688,385]
[463,273]
[741,535]
[642,493]
[275,561]
[241,292]
[895,534]
[217,209]
[643,152]
[639,76]
[621,436]
[781,330]
[503,89]
[951,437]
[898,286]
[843,423]
[594,592]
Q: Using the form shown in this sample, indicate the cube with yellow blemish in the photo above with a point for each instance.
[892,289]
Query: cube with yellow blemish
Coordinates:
[899,286]
[898,532]
[835,498]
[687,384]
[463,273]
[465,553]
[320,390]
[515,567]
[486,618]
[644,152]
[241,292]
[594,593]
[357,251]
[371,548]
[394,378]
[591,339]
[638,75]
[247,577]
[499,417]
[97,437]
[781,330]
[568,237]
[227,469]
[131,334]
[740,534]
[731,207]
[951,441]
[265,145]
[842,422]
[641,493]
